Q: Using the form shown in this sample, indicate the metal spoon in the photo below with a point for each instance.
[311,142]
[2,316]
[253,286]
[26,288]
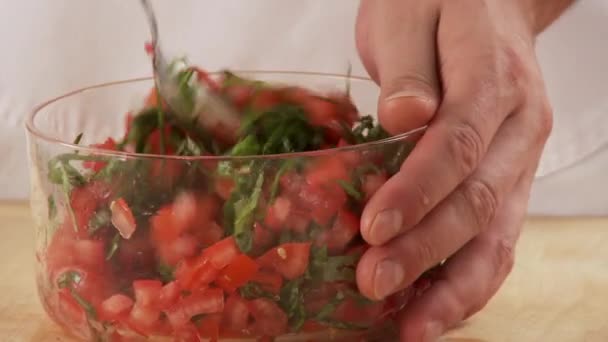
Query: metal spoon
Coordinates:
[211,111]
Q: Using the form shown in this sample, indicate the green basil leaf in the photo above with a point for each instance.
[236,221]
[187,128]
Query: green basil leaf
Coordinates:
[244,210]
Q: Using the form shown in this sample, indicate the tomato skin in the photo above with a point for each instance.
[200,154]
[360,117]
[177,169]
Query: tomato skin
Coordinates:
[269,319]
[143,319]
[320,111]
[239,94]
[265,99]
[323,202]
[237,274]
[147,292]
[236,314]
[289,259]
[116,307]
[172,252]
[196,272]
[262,238]
[207,301]
[85,201]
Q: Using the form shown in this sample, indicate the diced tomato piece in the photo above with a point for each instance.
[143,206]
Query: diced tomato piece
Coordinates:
[289,259]
[265,99]
[193,273]
[240,94]
[224,187]
[344,230]
[312,326]
[238,273]
[277,213]
[298,221]
[96,166]
[184,209]
[320,111]
[187,333]
[323,202]
[269,281]
[116,307]
[209,233]
[168,295]
[147,292]
[371,184]
[85,200]
[269,319]
[326,170]
[222,253]
[173,251]
[207,301]
[262,238]
[122,218]
[209,327]
[236,314]
[143,318]
[89,253]
[204,77]
[165,226]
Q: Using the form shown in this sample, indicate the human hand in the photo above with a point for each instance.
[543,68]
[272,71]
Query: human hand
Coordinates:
[468,68]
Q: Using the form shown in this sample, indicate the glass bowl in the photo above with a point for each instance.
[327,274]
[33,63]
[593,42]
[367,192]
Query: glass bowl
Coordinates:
[142,246]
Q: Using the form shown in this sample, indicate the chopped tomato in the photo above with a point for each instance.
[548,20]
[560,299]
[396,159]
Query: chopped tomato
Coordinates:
[320,111]
[122,218]
[96,166]
[262,238]
[239,94]
[327,170]
[173,251]
[265,99]
[343,231]
[86,200]
[208,233]
[269,281]
[237,274]
[116,307]
[322,202]
[89,253]
[168,295]
[209,327]
[358,313]
[88,284]
[289,259]
[268,318]
[224,187]
[165,226]
[204,77]
[298,221]
[143,318]
[196,272]
[187,333]
[236,314]
[222,253]
[371,184]
[147,292]
[207,301]
[277,213]
[71,311]
[311,326]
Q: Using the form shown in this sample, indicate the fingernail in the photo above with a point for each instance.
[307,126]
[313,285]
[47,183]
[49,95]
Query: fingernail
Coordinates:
[386,225]
[388,277]
[416,93]
[432,332]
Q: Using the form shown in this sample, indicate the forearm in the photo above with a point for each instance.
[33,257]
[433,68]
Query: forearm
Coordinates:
[545,12]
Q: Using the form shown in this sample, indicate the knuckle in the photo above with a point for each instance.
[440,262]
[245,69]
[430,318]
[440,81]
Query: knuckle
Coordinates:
[513,70]
[465,146]
[481,199]
[504,257]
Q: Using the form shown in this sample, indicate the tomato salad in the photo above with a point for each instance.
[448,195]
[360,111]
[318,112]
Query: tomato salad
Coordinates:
[212,248]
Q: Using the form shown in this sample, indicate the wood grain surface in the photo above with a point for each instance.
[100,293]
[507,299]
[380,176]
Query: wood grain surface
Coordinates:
[558,290]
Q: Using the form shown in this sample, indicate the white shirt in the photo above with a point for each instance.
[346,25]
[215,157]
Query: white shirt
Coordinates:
[50,47]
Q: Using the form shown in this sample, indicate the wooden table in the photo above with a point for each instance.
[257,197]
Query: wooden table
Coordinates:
[557,292]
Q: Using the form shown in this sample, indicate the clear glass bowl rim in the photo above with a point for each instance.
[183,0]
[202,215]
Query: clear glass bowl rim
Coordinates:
[39,134]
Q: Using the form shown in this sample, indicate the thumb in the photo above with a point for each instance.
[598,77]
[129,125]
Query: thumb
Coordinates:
[402,43]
